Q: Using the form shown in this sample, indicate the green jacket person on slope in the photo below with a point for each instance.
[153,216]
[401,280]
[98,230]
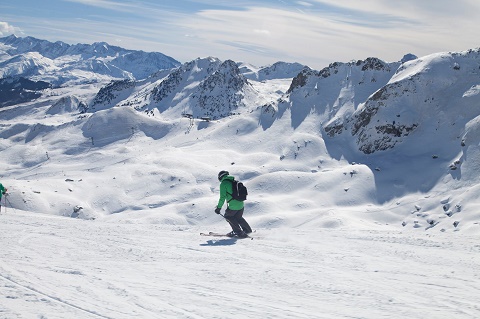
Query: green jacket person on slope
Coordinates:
[3,190]
[234,212]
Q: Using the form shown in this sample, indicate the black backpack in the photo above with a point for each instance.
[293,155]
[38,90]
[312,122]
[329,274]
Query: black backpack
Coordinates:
[239,191]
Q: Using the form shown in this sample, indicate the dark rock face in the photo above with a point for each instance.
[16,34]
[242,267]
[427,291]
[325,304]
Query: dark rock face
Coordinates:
[221,92]
[109,93]
[373,64]
[20,90]
[169,85]
[301,79]
[183,76]
[388,135]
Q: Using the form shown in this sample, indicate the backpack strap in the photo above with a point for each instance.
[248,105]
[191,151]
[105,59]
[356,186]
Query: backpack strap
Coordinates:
[231,195]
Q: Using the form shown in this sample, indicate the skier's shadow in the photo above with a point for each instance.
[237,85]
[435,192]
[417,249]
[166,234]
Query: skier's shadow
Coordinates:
[220,242]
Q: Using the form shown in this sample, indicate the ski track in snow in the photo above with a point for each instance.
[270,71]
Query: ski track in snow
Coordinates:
[339,234]
[54,267]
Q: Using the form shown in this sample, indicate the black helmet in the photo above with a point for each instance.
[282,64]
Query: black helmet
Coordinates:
[222,174]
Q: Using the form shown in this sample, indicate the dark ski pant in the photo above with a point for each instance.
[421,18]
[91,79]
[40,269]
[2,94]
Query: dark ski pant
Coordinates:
[236,220]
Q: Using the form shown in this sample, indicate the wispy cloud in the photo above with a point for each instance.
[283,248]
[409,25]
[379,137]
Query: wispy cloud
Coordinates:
[352,30]
[305,4]
[252,48]
[413,9]
[314,32]
[6,29]
[107,4]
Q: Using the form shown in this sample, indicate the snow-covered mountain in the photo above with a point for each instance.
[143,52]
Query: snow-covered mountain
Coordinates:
[336,91]
[27,65]
[443,85]
[20,90]
[202,88]
[406,126]
[277,70]
[362,177]
[60,63]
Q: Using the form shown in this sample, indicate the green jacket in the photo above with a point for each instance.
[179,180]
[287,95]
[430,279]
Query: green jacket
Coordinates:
[2,189]
[226,194]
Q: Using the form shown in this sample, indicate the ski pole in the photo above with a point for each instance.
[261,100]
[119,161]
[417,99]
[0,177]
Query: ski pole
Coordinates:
[225,218]
[7,200]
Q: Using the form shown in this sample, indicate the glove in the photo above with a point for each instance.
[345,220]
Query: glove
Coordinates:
[217,210]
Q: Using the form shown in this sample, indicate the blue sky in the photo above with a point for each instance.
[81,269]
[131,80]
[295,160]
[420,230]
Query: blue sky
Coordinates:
[312,32]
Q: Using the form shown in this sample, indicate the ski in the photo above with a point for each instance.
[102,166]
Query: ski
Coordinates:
[212,234]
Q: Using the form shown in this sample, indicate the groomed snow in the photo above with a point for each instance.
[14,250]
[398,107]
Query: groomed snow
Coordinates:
[322,247]
[105,209]
[55,267]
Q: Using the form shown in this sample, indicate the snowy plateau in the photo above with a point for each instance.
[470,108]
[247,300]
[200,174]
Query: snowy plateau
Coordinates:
[363,182]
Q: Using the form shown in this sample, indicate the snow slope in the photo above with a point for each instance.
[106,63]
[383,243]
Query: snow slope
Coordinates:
[118,267]
[106,203]
[272,141]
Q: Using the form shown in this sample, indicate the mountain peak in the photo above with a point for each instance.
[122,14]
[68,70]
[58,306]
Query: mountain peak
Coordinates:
[11,37]
[121,63]
[440,88]
[332,130]
[408,57]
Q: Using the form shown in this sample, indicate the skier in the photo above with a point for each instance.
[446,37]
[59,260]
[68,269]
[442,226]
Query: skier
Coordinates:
[234,211]
[3,190]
